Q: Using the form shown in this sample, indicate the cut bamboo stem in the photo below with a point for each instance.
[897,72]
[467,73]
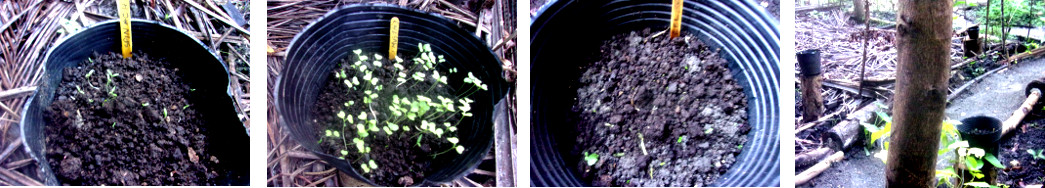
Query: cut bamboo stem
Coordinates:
[823,165]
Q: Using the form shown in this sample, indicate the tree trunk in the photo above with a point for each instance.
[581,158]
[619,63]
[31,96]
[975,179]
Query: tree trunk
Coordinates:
[858,9]
[812,101]
[923,42]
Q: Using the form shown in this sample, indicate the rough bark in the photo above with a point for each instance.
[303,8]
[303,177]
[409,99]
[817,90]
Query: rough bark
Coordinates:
[811,157]
[923,50]
[812,101]
[859,7]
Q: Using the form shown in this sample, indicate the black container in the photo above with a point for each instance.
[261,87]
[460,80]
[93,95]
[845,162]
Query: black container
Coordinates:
[809,62]
[748,39]
[323,44]
[203,71]
[974,32]
[982,132]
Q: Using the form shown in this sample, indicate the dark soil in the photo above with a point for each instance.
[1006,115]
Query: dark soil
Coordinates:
[675,96]
[95,138]
[1029,171]
[402,162]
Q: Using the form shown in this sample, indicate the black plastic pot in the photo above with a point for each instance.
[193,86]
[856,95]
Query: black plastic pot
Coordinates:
[809,62]
[205,72]
[748,39]
[974,32]
[316,51]
[982,132]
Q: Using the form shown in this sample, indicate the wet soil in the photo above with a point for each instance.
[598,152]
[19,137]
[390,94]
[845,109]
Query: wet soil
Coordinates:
[402,159]
[658,113]
[1021,168]
[137,127]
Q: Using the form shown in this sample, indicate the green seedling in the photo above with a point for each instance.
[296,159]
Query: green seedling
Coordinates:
[591,158]
[385,112]
[145,104]
[681,139]
[1036,154]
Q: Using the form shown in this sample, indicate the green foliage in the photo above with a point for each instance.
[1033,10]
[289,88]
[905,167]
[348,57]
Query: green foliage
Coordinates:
[873,132]
[386,112]
[1036,154]
[1017,13]
[591,158]
[109,82]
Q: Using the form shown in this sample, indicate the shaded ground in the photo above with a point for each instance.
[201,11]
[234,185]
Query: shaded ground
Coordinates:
[1021,167]
[857,170]
[997,95]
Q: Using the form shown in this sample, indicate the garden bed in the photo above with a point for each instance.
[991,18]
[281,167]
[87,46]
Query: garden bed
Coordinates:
[1021,167]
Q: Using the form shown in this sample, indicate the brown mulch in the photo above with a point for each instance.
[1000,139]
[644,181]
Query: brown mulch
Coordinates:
[29,28]
[291,165]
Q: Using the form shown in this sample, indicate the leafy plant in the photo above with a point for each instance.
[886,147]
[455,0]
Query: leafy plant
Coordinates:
[591,158]
[1036,154]
[383,111]
[1023,13]
[873,132]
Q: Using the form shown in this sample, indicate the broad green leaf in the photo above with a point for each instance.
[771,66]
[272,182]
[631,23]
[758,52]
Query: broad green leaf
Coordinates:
[973,163]
[993,160]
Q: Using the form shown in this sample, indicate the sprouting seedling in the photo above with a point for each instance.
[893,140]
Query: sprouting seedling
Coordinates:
[709,130]
[165,114]
[114,125]
[1036,154]
[146,104]
[112,92]
[591,158]
[681,139]
[109,75]
[383,113]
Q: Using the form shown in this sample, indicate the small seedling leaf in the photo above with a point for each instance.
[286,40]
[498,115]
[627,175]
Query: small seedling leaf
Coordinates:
[993,160]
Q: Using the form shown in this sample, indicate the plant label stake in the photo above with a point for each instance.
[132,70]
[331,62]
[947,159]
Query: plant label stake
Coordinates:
[124,11]
[393,39]
[676,18]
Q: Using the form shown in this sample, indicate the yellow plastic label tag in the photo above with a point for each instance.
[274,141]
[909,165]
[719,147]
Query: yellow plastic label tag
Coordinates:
[393,39]
[676,18]
[124,11]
